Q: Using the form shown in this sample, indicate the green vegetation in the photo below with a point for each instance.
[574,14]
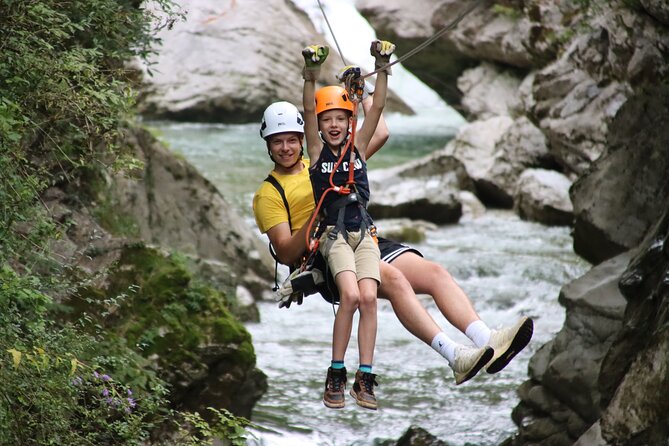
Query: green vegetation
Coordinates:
[70,368]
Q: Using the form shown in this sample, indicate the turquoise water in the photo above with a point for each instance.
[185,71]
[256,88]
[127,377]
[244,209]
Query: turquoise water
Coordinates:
[508,267]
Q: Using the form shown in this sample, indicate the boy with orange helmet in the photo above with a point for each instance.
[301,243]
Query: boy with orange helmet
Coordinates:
[346,236]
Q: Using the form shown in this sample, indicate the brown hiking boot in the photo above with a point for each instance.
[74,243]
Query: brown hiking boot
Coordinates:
[363,389]
[335,384]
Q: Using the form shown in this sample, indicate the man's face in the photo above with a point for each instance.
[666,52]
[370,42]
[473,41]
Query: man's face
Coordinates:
[285,148]
[333,125]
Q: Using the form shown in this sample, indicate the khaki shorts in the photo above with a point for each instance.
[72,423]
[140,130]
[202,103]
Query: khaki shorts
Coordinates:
[364,261]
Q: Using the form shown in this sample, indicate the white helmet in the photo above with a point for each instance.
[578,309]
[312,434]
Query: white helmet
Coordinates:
[281,117]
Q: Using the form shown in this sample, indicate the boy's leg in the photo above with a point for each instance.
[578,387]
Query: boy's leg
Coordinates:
[339,256]
[367,324]
[363,386]
[349,300]
[367,259]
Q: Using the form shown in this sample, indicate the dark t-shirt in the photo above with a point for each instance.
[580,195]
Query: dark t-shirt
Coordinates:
[319,174]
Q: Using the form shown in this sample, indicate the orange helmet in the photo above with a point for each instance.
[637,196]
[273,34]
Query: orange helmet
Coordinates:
[331,98]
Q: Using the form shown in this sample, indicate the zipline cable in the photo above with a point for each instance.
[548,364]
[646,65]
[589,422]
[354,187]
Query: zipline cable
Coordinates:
[332,32]
[473,5]
[449,26]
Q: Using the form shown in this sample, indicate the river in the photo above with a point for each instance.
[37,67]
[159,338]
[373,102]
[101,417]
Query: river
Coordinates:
[507,266]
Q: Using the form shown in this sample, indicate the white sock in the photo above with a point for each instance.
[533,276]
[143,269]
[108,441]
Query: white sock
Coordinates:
[478,332]
[445,346]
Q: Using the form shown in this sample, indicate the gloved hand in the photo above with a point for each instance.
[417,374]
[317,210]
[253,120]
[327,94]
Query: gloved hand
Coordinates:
[298,285]
[353,82]
[354,71]
[286,301]
[349,71]
[314,56]
[381,50]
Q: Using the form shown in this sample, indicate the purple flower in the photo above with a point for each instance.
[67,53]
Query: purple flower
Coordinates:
[105,392]
[129,392]
[96,374]
[106,378]
[131,402]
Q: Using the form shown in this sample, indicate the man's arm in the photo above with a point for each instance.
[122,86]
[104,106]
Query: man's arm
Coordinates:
[381,134]
[289,247]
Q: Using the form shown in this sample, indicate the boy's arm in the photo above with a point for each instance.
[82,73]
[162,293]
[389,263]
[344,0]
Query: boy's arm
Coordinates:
[314,56]
[381,50]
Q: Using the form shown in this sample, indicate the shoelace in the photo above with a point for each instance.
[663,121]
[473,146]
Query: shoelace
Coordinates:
[369,381]
[337,381]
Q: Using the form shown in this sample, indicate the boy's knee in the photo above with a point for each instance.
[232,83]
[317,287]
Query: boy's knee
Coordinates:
[367,299]
[349,298]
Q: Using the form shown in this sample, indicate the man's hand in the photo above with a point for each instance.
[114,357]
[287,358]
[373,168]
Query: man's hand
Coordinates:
[298,285]
[349,71]
[286,301]
[381,50]
[314,56]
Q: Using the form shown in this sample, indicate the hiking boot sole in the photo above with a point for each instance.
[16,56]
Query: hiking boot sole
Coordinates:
[363,403]
[518,343]
[333,405]
[485,358]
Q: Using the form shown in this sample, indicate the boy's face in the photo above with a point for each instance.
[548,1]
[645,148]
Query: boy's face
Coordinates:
[285,148]
[334,125]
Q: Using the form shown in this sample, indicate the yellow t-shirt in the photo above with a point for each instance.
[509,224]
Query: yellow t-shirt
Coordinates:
[268,206]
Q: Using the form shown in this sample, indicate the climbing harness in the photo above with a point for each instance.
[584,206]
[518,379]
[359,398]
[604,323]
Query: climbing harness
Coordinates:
[449,26]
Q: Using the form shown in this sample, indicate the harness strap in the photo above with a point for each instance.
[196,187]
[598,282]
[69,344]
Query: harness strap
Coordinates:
[340,206]
[274,182]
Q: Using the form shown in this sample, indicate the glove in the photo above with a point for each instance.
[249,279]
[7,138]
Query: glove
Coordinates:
[286,301]
[381,50]
[354,71]
[314,56]
[349,71]
[298,285]
[353,82]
